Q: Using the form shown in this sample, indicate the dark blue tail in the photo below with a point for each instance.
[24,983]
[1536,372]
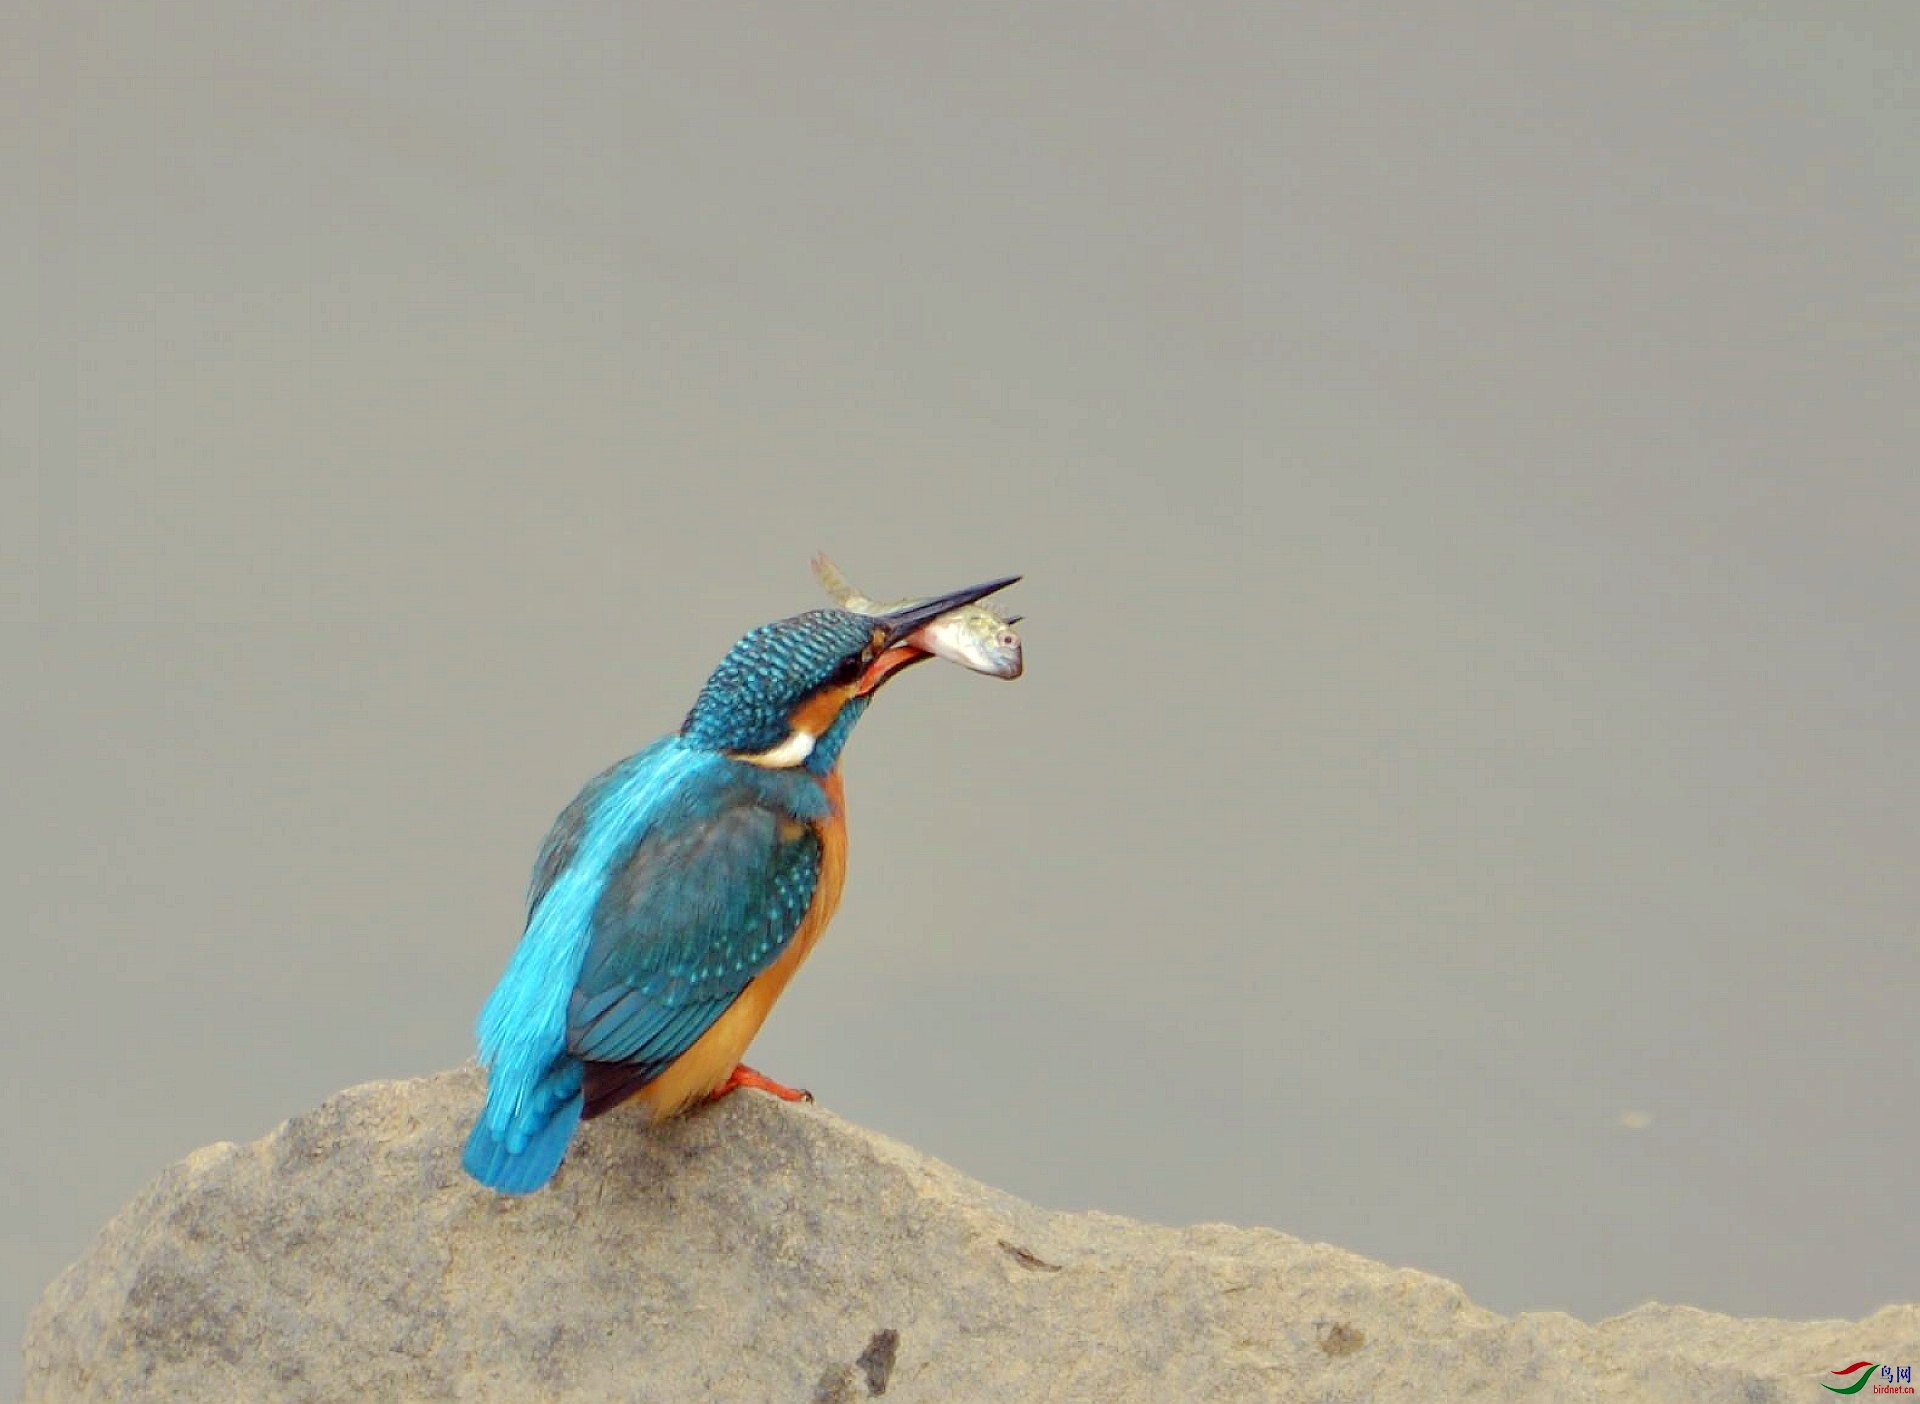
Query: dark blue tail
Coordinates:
[522,1155]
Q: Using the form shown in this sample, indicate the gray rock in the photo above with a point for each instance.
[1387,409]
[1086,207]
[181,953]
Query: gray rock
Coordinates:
[760,1251]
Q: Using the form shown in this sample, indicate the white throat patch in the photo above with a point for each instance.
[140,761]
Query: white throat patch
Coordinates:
[789,753]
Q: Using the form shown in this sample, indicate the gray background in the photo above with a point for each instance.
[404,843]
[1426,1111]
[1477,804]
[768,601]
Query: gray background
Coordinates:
[1464,465]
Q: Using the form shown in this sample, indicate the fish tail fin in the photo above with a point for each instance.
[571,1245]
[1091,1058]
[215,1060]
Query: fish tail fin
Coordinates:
[835,584]
[517,1150]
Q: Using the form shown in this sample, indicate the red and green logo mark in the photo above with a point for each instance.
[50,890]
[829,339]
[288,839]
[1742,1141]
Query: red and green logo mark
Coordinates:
[1865,1367]
[1898,1378]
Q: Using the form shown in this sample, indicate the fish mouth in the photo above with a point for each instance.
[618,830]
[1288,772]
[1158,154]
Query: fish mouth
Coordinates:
[999,661]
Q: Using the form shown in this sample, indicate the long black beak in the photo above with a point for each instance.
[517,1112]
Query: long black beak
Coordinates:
[903,622]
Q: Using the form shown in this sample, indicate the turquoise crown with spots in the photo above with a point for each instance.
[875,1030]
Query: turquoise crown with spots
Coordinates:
[745,705]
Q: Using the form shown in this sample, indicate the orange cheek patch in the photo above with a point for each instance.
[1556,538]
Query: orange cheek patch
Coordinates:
[817,713]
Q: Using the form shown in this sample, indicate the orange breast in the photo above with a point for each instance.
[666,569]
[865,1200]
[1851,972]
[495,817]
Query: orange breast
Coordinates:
[703,1067]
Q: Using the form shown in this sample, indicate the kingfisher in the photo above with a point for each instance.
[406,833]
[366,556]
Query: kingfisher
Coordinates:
[678,893]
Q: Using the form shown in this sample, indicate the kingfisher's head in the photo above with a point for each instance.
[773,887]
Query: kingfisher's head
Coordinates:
[789,693]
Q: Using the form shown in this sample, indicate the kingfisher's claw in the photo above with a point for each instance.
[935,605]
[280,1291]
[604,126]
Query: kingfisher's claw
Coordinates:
[744,1076]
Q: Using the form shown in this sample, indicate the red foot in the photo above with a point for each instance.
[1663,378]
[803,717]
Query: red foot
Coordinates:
[744,1076]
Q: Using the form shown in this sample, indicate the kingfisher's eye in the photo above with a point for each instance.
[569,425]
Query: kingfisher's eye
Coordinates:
[850,668]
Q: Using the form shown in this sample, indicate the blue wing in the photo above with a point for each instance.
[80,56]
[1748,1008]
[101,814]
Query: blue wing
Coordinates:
[669,883]
[685,923]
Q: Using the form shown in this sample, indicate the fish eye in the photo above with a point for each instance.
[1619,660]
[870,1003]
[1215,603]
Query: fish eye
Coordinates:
[1008,639]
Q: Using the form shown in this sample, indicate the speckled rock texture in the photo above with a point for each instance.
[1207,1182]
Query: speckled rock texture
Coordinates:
[761,1251]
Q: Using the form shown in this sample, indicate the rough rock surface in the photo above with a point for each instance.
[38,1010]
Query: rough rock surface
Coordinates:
[760,1251]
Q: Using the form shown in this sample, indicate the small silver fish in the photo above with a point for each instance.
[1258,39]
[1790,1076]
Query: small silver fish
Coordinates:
[972,636]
